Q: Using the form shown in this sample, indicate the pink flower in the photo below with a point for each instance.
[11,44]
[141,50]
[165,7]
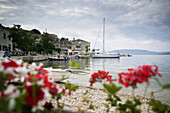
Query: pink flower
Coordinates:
[139,75]
[99,76]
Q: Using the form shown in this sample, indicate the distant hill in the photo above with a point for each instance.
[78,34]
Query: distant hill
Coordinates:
[139,52]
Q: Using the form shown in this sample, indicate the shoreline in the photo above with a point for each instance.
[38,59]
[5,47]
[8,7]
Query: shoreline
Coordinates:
[79,101]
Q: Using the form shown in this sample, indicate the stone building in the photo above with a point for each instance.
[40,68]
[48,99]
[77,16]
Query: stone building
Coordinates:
[5,41]
[80,46]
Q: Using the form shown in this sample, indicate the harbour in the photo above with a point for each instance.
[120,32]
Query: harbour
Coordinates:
[81,75]
[100,56]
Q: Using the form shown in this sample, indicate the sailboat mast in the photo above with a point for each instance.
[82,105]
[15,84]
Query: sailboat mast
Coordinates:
[103,35]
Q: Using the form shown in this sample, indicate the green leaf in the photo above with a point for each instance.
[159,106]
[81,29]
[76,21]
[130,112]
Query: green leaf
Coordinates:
[74,88]
[74,64]
[111,88]
[71,87]
[167,86]
[68,85]
[91,106]
[158,107]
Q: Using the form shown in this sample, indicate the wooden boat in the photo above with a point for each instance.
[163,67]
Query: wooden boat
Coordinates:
[58,74]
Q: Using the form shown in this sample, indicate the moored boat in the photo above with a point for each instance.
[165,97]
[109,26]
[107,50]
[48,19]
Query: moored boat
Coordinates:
[104,54]
[61,58]
[58,74]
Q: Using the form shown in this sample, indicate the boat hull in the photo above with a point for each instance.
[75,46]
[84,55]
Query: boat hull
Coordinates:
[58,59]
[58,74]
[105,56]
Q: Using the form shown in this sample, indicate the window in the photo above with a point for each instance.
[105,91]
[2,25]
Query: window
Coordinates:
[4,35]
[0,47]
[9,48]
[4,48]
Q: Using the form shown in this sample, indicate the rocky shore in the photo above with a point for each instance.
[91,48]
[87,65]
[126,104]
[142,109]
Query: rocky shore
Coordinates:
[84,96]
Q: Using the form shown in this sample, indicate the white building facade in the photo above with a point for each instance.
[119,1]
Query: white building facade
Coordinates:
[5,41]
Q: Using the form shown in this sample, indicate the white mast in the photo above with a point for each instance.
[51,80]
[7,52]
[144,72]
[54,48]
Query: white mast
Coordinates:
[103,35]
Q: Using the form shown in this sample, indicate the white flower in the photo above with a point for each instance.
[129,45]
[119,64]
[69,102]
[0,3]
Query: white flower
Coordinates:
[9,70]
[40,65]
[32,67]
[35,108]
[22,71]
[50,73]
[28,83]
[6,60]
[19,62]
[10,88]
[40,82]
[46,92]
[15,94]
[11,104]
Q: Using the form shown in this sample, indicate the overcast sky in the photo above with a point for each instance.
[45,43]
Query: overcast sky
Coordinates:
[130,24]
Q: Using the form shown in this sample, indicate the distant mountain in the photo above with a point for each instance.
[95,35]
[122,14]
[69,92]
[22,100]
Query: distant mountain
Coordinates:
[139,52]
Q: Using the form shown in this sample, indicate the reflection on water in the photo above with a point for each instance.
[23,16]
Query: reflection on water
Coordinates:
[104,64]
[84,64]
[81,75]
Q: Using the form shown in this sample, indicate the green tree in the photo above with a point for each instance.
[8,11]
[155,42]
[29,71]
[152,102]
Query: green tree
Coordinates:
[22,39]
[48,46]
[35,31]
[39,47]
[58,50]
[16,33]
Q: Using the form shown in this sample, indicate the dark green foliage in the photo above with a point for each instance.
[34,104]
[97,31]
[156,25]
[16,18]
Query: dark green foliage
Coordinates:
[35,31]
[130,106]
[22,39]
[39,47]
[3,81]
[158,107]
[58,50]
[111,88]
[48,46]
[71,87]
[26,41]
[91,106]
[167,86]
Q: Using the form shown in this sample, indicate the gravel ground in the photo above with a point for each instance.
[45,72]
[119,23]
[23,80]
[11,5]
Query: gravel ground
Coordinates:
[79,101]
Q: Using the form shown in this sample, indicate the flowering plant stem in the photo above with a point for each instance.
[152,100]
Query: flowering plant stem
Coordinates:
[146,90]
[133,90]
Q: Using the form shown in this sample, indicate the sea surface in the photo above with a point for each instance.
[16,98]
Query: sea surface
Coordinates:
[82,74]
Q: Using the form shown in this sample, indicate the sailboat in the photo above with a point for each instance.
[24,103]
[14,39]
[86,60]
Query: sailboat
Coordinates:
[104,54]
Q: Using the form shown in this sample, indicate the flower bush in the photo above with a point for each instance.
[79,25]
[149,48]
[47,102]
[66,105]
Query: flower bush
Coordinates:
[35,86]
[131,78]
[139,75]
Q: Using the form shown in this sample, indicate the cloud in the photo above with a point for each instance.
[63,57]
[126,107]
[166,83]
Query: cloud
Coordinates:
[129,23]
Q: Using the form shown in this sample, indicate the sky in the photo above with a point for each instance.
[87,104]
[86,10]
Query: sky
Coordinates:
[129,24]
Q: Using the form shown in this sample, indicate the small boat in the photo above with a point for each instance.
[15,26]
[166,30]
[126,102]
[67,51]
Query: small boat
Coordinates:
[60,58]
[58,74]
[105,55]
[82,56]
[77,56]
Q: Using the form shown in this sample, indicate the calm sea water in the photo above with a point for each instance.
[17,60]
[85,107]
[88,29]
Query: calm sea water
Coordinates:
[81,75]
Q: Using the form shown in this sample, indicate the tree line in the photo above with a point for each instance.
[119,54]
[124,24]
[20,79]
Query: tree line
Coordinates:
[31,40]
